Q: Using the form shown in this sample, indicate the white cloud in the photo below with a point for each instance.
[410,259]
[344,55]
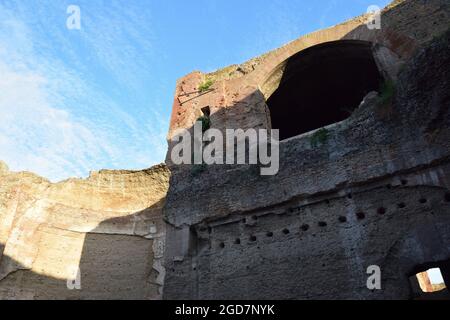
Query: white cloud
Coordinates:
[54,122]
[36,136]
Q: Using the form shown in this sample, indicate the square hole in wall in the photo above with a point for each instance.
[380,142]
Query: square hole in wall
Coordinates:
[431,280]
[429,285]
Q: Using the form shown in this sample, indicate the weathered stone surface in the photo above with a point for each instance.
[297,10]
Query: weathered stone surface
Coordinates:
[406,25]
[3,167]
[376,192]
[109,227]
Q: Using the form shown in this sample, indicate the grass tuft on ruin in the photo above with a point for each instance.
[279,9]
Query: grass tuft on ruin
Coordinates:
[387,91]
[206,123]
[205,86]
[319,137]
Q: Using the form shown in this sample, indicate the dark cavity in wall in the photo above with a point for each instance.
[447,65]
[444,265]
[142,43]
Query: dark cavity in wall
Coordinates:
[426,290]
[322,85]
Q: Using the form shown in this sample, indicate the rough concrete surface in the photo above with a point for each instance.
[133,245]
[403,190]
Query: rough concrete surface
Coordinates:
[108,228]
[368,186]
[375,191]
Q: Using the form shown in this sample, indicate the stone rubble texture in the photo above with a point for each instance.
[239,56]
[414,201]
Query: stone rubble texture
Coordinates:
[108,226]
[375,192]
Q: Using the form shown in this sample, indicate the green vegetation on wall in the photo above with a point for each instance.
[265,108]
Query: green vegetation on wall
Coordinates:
[387,91]
[206,123]
[197,169]
[319,137]
[205,86]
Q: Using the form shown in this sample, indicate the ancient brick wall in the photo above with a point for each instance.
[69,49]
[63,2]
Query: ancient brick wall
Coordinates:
[375,192]
[106,229]
[237,98]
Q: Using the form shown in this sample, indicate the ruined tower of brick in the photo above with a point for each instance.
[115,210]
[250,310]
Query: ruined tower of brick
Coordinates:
[363,186]
[363,181]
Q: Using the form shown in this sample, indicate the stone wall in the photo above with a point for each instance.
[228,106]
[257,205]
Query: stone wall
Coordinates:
[107,229]
[238,96]
[375,192]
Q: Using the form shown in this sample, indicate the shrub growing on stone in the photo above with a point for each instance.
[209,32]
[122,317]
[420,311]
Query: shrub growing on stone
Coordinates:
[205,86]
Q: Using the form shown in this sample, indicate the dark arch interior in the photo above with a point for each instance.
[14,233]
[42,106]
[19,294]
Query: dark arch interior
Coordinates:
[322,85]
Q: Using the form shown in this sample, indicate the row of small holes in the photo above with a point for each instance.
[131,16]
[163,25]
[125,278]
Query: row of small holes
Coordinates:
[342,219]
[401,205]
[269,234]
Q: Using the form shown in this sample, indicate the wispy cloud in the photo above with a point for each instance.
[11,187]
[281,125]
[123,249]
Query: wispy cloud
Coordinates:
[72,101]
[55,119]
[36,136]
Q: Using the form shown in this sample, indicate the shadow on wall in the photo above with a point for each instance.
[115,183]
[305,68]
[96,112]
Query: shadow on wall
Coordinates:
[120,259]
[199,196]
[319,85]
[322,84]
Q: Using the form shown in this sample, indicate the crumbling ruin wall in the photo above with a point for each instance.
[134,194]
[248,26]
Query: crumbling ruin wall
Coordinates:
[374,192]
[98,238]
[238,96]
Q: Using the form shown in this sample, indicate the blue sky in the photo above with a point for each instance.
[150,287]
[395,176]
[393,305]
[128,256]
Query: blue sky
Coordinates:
[73,101]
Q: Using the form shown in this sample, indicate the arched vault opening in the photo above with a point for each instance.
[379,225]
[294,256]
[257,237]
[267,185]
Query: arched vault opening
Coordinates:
[322,85]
